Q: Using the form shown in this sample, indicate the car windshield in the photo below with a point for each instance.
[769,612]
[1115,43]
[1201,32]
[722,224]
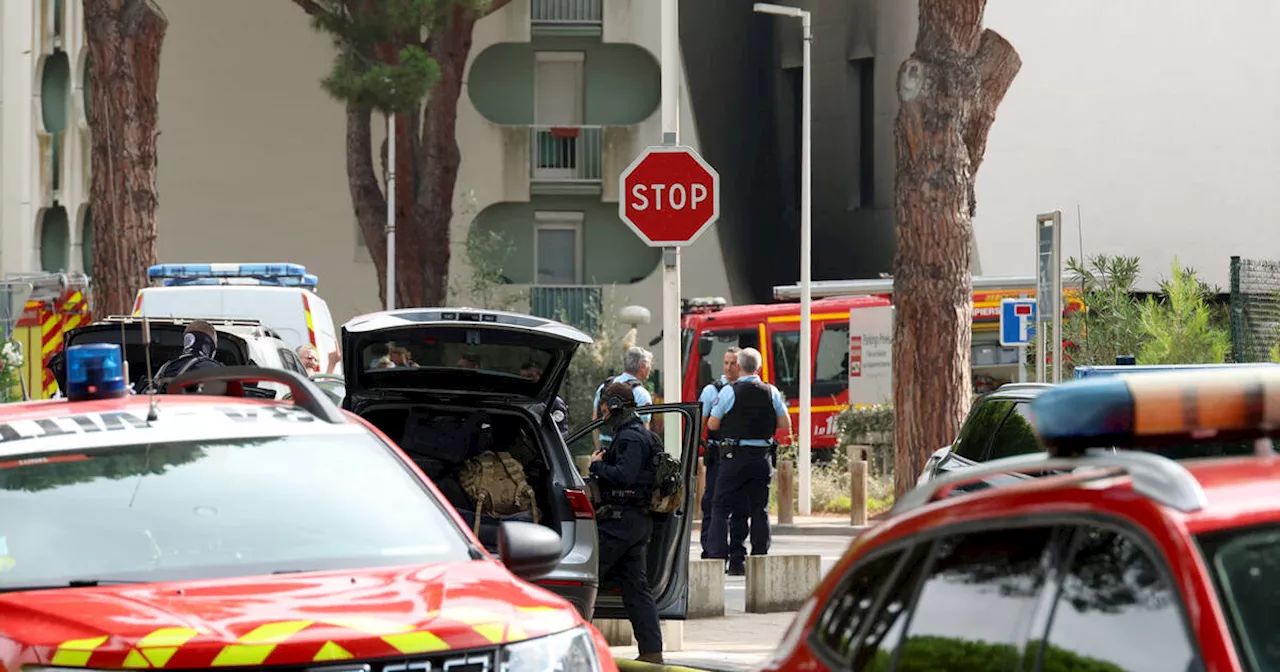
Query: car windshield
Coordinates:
[1246,568]
[216,508]
[459,349]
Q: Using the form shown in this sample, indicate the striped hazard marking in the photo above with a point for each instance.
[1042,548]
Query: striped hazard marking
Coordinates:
[252,649]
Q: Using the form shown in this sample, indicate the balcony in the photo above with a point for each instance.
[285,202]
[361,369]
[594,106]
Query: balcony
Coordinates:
[576,305]
[566,17]
[566,159]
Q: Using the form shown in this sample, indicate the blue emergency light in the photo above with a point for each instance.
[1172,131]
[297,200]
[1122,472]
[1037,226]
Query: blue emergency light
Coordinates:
[282,274]
[95,371]
[309,281]
[281,270]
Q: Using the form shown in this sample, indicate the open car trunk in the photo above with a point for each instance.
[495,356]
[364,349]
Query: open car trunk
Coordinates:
[441,439]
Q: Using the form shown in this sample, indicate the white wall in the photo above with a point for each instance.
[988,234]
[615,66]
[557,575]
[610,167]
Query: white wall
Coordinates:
[1157,117]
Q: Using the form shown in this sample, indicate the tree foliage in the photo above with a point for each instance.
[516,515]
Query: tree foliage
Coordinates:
[1109,325]
[358,28]
[1183,325]
[406,57]
[1181,329]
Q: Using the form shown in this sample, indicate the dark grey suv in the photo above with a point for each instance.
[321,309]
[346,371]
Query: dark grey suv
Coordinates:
[999,425]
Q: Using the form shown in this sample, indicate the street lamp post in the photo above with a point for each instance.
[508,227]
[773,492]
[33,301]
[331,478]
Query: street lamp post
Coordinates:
[391,211]
[805,431]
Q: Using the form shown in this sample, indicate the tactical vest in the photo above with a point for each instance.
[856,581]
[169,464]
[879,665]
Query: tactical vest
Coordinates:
[752,415]
[640,492]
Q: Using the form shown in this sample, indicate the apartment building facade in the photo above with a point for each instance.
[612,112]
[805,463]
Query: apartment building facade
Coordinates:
[45,222]
[1148,123]
[560,96]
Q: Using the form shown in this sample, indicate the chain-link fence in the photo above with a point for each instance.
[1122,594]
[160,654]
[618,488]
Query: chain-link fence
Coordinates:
[1255,309]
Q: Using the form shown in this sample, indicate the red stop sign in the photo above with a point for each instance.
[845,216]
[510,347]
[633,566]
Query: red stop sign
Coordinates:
[669,196]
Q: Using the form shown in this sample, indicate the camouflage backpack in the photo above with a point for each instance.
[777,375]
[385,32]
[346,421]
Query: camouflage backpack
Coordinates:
[668,481]
[497,483]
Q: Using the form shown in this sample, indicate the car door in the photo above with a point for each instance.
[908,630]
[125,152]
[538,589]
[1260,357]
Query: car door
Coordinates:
[668,565]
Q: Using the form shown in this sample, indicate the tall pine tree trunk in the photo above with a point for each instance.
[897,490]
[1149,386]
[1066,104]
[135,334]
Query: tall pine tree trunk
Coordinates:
[124,39]
[948,91]
[439,157]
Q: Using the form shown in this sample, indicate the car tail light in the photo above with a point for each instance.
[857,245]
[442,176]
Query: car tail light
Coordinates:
[580,503]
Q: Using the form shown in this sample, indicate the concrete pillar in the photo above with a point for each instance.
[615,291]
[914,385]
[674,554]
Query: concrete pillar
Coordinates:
[706,589]
[780,582]
[616,631]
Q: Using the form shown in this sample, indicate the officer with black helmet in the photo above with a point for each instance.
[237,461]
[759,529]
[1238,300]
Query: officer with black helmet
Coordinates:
[624,474]
[746,414]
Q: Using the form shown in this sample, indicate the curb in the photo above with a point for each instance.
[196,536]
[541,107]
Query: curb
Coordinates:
[819,530]
[625,664]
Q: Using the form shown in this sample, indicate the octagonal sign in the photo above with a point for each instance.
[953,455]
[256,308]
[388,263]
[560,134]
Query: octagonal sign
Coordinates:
[669,196]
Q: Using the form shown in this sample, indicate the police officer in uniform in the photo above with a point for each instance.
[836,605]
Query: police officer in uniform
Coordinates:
[624,475]
[746,414]
[711,448]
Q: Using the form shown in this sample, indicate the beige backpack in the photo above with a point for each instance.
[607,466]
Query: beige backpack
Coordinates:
[497,483]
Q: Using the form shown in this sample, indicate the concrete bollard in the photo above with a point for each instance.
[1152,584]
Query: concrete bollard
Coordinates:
[673,636]
[858,484]
[780,582]
[706,589]
[786,492]
[617,632]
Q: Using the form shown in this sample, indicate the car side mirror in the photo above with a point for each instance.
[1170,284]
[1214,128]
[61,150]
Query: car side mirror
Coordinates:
[530,551]
[704,346]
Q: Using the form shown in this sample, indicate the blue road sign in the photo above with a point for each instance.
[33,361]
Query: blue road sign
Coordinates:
[1017,321]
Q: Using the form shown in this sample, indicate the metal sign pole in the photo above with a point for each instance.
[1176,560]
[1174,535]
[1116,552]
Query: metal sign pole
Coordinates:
[391,211]
[1057,296]
[671,365]
[1048,293]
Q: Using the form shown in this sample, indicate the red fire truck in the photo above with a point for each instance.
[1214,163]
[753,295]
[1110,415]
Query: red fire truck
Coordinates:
[709,327]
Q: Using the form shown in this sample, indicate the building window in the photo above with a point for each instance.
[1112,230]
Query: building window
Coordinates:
[55,240]
[557,248]
[862,86]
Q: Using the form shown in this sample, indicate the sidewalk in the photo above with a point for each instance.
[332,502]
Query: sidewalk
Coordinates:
[831,526]
[733,642]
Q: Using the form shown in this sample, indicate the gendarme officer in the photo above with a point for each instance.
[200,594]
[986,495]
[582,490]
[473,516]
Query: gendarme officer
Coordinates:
[746,414]
[711,447]
[624,475]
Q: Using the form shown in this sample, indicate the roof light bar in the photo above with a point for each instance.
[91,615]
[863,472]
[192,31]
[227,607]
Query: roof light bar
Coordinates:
[252,270]
[308,280]
[1158,407]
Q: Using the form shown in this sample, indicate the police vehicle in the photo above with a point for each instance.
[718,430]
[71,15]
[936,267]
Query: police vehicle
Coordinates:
[241,342]
[451,383]
[1157,548]
[207,530]
[281,296]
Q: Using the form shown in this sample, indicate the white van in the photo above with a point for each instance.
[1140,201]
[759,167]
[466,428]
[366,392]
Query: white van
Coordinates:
[280,296]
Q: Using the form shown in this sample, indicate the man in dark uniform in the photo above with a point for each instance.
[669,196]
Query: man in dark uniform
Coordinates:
[711,447]
[624,474]
[199,349]
[746,414]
